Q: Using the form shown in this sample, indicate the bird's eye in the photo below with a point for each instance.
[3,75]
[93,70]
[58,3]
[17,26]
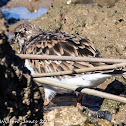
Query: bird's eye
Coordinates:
[22,34]
[15,33]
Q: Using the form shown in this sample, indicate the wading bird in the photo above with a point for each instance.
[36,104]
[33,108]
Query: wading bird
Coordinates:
[32,40]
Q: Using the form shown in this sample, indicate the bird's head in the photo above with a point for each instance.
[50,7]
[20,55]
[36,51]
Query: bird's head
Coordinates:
[24,33]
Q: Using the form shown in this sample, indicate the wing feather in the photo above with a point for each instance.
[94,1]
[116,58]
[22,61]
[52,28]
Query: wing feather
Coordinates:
[52,43]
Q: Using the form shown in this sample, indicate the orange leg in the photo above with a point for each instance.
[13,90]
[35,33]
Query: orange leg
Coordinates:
[79,100]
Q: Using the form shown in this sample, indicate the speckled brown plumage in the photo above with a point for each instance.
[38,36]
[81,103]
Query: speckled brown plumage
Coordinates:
[33,41]
[55,43]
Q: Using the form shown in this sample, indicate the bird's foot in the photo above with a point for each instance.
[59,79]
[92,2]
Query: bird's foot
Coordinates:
[80,107]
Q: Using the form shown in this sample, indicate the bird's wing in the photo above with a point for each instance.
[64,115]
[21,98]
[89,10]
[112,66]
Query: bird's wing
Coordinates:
[60,44]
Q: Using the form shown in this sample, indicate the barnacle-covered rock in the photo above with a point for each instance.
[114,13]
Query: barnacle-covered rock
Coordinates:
[20,98]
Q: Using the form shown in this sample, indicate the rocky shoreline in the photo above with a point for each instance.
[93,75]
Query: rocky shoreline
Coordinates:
[104,24]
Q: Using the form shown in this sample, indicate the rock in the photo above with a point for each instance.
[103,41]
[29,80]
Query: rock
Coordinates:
[116,87]
[3,2]
[104,26]
[64,116]
[71,116]
[20,97]
[120,117]
[117,109]
[102,122]
[108,3]
[106,115]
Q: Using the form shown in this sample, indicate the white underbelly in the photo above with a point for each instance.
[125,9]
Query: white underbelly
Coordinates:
[86,80]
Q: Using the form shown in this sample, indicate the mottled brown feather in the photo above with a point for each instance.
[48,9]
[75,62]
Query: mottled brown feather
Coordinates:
[55,43]
[52,43]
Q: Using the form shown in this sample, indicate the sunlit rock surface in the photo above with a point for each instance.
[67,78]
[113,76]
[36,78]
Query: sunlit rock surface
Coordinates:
[102,22]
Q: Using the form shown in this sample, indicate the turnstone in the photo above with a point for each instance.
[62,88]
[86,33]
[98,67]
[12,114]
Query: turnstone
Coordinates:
[33,41]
